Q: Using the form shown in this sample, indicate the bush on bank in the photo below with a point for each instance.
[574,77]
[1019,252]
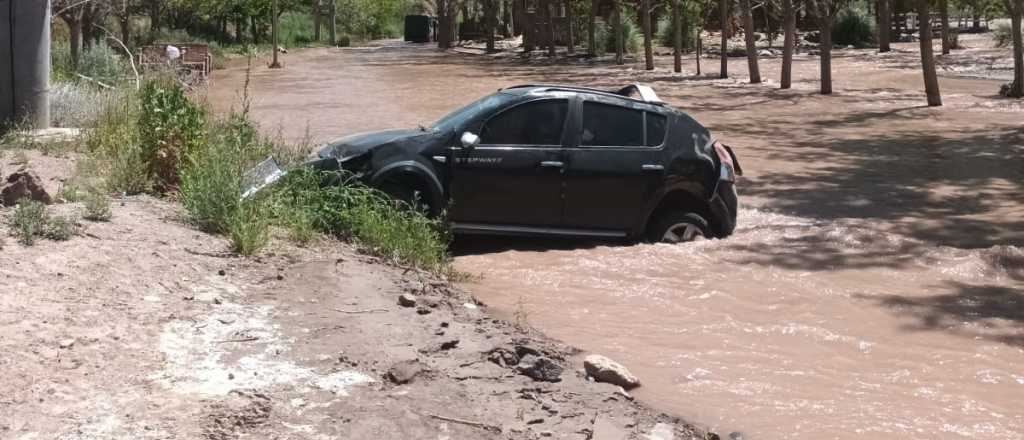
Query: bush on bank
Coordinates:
[158,141]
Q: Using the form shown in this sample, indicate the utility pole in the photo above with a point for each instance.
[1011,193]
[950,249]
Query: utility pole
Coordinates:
[25,62]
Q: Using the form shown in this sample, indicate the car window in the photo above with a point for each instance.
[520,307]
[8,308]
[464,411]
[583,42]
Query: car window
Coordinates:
[655,129]
[459,117]
[611,126]
[533,123]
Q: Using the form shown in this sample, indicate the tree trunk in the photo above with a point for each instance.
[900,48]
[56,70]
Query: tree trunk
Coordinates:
[931,80]
[748,35]
[723,6]
[332,21]
[620,43]
[592,28]
[318,24]
[1017,88]
[700,46]
[274,35]
[87,29]
[254,30]
[884,25]
[490,16]
[154,15]
[550,16]
[976,25]
[825,47]
[75,39]
[239,29]
[645,15]
[677,37]
[788,43]
[570,18]
[944,13]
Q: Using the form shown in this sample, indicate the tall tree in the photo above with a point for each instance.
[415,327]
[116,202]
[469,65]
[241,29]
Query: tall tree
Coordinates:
[749,37]
[549,17]
[723,7]
[677,37]
[570,19]
[789,43]
[332,21]
[931,79]
[71,13]
[490,17]
[884,25]
[944,14]
[620,37]
[1016,8]
[825,12]
[275,35]
[592,28]
[318,19]
[645,14]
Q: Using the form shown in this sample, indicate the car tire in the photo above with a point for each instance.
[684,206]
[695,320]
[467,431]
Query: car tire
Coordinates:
[678,227]
[413,196]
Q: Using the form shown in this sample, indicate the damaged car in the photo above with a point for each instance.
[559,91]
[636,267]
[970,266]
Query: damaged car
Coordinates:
[552,160]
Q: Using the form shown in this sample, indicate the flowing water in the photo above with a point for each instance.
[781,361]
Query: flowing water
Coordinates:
[796,327]
[790,329]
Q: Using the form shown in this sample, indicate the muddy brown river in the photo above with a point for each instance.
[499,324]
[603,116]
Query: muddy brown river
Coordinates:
[873,289]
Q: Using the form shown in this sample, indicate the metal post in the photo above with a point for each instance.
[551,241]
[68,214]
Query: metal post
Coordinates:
[25,62]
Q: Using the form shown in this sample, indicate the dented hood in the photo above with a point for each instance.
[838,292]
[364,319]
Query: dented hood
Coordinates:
[357,144]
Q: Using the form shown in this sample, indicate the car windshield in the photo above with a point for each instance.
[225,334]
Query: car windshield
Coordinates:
[459,117]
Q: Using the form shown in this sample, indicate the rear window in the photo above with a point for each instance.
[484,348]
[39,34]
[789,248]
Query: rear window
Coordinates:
[655,129]
[611,126]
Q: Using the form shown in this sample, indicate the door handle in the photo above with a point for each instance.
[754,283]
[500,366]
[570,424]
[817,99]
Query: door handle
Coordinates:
[552,164]
[651,167]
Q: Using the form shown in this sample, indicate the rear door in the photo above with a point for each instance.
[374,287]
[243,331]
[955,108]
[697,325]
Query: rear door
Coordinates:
[514,177]
[614,166]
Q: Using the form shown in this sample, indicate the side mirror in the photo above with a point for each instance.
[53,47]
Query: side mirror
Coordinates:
[470,140]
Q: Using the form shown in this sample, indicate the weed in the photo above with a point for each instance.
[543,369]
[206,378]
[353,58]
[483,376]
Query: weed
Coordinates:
[249,227]
[170,127]
[97,207]
[521,316]
[59,228]
[28,221]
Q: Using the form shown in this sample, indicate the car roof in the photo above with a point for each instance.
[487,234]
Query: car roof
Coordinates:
[632,92]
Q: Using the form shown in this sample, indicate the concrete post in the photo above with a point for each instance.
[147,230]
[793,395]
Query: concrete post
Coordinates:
[25,62]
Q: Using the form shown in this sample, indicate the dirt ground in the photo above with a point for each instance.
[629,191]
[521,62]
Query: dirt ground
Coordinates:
[144,328]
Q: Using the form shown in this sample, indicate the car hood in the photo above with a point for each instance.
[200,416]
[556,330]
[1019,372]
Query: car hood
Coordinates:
[357,144]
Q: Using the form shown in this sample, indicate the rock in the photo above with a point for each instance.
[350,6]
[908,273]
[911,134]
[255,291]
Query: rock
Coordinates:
[606,370]
[661,431]
[448,345]
[503,357]
[407,300]
[539,368]
[404,372]
[66,343]
[605,429]
[422,311]
[23,185]
[735,435]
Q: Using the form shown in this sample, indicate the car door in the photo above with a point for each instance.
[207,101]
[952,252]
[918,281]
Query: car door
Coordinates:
[614,166]
[514,176]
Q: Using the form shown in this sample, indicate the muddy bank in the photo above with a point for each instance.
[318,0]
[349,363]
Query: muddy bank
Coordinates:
[145,328]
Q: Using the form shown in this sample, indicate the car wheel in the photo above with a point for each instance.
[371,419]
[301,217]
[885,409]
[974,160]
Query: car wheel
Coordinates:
[403,191]
[678,227]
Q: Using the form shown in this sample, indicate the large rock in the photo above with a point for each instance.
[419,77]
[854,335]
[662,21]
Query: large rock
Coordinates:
[606,370]
[539,368]
[23,185]
[405,371]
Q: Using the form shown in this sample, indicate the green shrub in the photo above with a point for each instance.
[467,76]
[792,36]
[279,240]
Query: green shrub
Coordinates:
[97,207]
[170,127]
[59,228]
[352,211]
[666,34]
[211,176]
[248,227]
[853,27]
[115,149]
[1002,32]
[28,221]
[100,62]
[605,37]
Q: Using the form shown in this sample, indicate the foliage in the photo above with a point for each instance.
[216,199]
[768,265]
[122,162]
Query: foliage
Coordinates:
[30,220]
[248,227]
[633,41]
[691,17]
[854,27]
[78,104]
[99,62]
[339,206]
[97,207]
[170,127]
[1002,32]
[115,150]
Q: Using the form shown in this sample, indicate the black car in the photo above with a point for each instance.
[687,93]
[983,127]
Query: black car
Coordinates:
[556,160]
